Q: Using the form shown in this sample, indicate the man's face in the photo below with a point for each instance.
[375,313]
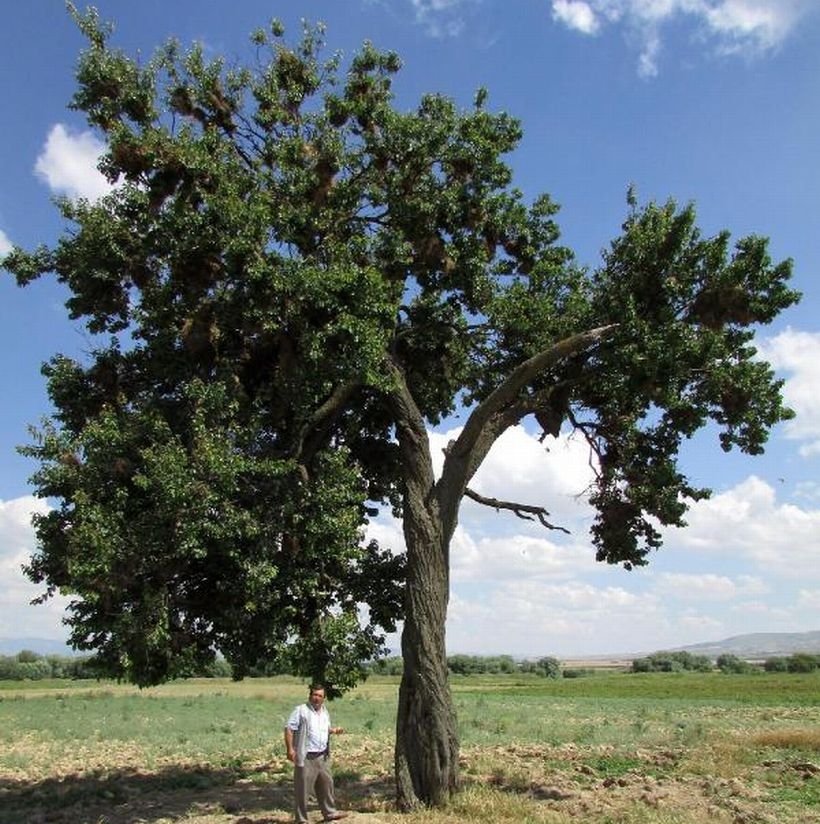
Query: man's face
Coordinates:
[317,698]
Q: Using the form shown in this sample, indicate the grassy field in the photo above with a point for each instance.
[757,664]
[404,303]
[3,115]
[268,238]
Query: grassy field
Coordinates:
[604,749]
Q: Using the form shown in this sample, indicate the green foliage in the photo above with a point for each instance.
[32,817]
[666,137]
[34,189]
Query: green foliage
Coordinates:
[547,667]
[289,277]
[577,672]
[476,664]
[798,662]
[393,665]
[672,662]
[31,666]
[733,664]
[803,662]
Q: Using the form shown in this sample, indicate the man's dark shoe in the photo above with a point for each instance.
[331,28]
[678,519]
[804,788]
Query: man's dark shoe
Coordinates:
[336,817]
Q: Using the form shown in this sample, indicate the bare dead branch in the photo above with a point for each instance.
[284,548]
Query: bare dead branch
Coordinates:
[525,511]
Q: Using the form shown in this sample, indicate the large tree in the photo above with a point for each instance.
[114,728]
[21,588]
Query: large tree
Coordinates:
[290,284]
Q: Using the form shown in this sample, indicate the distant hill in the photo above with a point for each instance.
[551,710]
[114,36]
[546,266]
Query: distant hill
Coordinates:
[42,646]
[759,645]
[756,645]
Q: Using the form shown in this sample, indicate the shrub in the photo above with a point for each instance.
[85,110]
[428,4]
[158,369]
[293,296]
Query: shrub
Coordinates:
[548,667]
[393,665]
[803,662]
[732,664]
[577,673]
[672,662]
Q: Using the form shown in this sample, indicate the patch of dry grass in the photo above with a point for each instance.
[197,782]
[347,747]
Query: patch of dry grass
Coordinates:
[807,739]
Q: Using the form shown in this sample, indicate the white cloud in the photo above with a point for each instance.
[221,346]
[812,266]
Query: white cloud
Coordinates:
[68,164]
[555,474]
[533,619]
[698,588]
[764,24]
[5,244]
[520,589]
[441,18]
[387,531]
[17,616]
[798,355]
[576,14]
[809,599]
[747,523]
[810,490]
[516,557]
[697,625]
[746,27]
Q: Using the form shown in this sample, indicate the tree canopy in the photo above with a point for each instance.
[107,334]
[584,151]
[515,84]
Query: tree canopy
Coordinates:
[289,283]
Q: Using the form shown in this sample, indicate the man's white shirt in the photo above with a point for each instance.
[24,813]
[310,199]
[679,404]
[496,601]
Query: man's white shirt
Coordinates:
[317,726]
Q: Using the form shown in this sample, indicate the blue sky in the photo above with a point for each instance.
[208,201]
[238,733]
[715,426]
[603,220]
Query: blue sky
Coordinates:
[711,101]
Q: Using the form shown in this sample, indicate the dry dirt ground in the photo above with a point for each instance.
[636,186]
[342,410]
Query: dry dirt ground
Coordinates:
[536,784]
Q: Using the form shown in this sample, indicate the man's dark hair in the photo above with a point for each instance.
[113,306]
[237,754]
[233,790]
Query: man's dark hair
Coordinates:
[315,687]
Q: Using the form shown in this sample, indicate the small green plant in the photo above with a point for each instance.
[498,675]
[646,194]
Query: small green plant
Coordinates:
[613,765]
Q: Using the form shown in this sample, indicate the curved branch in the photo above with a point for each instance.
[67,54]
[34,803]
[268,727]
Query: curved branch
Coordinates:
[314,430]
[495,413]
[525,511]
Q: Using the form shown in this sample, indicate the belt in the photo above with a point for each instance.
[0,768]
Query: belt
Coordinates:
[316,754]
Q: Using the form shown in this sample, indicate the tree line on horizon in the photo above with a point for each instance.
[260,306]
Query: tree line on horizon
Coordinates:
[28,665]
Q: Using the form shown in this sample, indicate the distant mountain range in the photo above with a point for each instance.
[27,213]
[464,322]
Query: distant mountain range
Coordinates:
[759,645]
[755,645]
[42,646]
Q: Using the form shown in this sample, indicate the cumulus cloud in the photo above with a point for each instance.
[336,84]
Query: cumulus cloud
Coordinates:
[797,354]
[516,556]
[17,615]
[68,164]
[531,619]
[748,523]
[747,27]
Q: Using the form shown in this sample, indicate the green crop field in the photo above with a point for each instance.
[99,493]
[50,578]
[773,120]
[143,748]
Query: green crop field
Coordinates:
[610,748]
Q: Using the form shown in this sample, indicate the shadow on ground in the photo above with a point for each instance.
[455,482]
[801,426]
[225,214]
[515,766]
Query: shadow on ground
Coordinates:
[175,793]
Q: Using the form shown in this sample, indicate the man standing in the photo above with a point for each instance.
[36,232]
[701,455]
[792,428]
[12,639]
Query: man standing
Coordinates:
[307,739]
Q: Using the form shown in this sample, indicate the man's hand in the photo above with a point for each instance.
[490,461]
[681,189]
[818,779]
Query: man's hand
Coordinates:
[337,730]
[289,748]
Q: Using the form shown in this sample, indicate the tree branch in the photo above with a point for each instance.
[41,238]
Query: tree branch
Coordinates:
[311,434]
[525,511]
[488,420]
[411,430]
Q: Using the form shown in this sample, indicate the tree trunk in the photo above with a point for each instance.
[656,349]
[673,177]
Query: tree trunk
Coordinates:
[426,757]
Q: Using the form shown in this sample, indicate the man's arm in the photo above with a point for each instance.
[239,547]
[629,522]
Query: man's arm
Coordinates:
[289,744]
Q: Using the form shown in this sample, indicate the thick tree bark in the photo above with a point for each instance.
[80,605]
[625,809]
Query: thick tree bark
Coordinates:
[426,756]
